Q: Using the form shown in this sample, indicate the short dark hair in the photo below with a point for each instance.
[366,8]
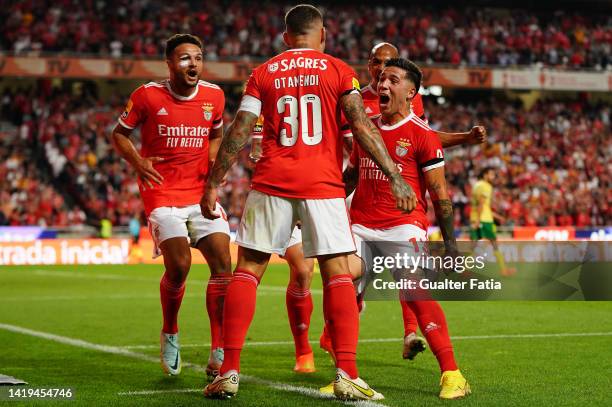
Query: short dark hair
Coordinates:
[484,171]
[299,19]
[178,39]
[413,72]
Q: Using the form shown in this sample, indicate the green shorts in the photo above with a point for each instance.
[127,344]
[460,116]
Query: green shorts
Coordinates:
[485,231]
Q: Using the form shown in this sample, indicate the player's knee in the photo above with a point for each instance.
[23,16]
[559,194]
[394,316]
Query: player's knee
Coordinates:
[221,264]
[179,268]
[302,276]
[302,282]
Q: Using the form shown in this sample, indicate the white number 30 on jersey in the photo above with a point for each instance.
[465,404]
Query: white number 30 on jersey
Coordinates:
[305,114]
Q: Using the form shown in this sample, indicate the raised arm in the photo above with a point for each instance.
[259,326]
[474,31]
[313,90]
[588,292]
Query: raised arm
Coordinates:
[477,135]
[436,185]
[368,137]
[235,140]
[120,139]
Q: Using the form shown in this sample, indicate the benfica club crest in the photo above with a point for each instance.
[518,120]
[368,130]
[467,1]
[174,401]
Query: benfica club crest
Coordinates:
[208,110]
[401,148]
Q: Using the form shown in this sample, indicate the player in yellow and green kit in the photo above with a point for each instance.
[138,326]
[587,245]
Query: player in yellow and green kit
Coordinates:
[482,217]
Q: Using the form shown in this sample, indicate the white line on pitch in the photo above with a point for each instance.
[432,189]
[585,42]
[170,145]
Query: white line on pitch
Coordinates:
[126,352]
[380,340]
[150,392]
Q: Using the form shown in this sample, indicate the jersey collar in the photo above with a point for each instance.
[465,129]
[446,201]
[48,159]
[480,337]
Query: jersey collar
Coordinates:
[179,97]
[396,125]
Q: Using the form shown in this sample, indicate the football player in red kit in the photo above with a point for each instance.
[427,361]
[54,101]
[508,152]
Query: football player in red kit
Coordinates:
[181,121]
[417,151]
[379,55]
[300,93]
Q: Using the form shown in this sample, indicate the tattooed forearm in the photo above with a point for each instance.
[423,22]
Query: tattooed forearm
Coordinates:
[235,140]
[436,188]
[366,134]
[443,207]
[350,178]
[445,217]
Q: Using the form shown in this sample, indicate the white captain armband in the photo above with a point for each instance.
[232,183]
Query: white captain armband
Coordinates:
[250,104]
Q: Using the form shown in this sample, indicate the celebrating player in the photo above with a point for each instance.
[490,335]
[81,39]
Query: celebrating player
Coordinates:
[418,152]
[482,217]
[300,93]
[379,55]
[182,127]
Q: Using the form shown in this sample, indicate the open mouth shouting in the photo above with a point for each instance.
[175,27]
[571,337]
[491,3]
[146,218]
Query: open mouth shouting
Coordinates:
[384,100]
[192,75]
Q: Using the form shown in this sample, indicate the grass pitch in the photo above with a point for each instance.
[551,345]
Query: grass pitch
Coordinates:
[96,329]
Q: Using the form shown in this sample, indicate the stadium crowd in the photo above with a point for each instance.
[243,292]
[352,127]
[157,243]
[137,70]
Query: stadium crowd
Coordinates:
[238,29]
[26,198]
[553,160]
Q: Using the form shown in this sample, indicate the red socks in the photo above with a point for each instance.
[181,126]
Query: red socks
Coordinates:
[299,310]
[410,320]
[171,296]
[215,297]
[238,312]
[342,320]
[433,325]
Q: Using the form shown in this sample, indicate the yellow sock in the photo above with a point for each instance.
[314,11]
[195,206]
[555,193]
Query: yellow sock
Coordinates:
[500,260]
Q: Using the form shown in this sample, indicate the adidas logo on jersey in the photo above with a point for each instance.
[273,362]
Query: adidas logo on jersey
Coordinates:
[162,112]
[368,110]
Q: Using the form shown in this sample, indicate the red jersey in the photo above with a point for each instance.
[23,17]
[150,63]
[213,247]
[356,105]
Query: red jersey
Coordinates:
[370,101]
[415,150]
[298,93]
[175,128]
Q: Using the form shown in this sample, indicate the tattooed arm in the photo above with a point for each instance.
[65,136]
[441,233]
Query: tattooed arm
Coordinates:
[436,185]
[368,137]
[235,140]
